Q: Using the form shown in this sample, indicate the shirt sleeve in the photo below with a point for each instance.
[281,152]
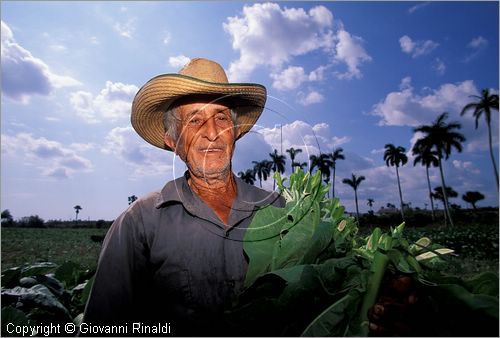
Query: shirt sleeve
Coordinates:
[123,258]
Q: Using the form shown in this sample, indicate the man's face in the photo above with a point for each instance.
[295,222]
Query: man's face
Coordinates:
[206,137]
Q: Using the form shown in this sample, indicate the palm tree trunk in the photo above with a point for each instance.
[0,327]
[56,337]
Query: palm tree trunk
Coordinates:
[446,207]
[333,183]
[400,194]
[260,180]
[491,154]
[356,201]
[430,191]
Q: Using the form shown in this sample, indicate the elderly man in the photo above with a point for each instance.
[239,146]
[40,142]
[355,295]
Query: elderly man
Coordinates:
[176,256]
[174,260]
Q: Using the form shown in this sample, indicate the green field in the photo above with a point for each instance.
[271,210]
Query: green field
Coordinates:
[30,245]
[477,246]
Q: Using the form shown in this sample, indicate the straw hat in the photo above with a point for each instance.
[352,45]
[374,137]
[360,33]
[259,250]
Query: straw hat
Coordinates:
[199,76]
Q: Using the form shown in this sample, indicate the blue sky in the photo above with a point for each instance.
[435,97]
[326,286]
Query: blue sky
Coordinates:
[357,75]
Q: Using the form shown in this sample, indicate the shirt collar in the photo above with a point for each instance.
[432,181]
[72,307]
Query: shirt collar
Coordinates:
[247,199]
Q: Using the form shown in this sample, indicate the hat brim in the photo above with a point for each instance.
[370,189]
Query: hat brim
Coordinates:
[154,98]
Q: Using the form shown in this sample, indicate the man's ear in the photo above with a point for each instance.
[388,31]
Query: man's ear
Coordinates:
[169,141]
[237,132]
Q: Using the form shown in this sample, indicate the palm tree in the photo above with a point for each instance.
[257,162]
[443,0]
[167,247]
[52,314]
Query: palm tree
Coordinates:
[427,158]
[472,197]
[354,182]
[293,152]
[278,164]
[441,137]
[248,176]
[370,202]
[262,169]
[77,210]
[438,193]
[323,163]
[301,165]
[395,157]
[485,104]
[336,155]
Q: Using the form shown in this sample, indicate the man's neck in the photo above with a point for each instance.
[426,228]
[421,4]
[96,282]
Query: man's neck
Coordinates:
[218,193]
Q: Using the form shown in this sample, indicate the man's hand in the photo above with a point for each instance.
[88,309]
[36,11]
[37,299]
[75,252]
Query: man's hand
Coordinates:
[395,313]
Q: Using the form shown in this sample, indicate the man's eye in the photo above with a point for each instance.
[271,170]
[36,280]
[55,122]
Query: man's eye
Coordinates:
[195,121]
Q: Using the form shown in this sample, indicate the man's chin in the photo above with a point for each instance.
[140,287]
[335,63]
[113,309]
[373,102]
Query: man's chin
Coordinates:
[211,172]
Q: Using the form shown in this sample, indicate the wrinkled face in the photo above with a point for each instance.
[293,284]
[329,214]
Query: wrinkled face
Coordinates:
[206,137]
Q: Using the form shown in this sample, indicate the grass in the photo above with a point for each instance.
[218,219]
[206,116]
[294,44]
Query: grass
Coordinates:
[30,245]
[477,246]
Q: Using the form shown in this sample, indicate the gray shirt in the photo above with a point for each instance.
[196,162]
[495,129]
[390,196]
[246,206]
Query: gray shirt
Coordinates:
[169,259]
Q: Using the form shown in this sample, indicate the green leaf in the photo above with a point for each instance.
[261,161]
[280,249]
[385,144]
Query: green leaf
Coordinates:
[83,297]
[373,240]
[294,244]
[69,273]
[485,283]
[399,260]
[320,240]
[38,269]
[10,277]
[334,320]
[34,297]
[15,317]
[457,296]
[261,235]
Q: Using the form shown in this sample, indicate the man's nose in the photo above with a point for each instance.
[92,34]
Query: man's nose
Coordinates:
[210,130]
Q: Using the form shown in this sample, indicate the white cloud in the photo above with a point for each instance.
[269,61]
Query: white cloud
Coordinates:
[317,74]
[293,76]
[466,166]
[349,50]
[112,103]
[266,34]
[82,146]
[51,157]
[178,61]
[94,40]
[290,78]
[310,98]
[405,107]
[377,151]
[58,48]
[125,29]
[144,159]
[417,48]
[300,134]
[408,108]
[419,6]
[478,42]
[24,75]
[439,66]
[167,38]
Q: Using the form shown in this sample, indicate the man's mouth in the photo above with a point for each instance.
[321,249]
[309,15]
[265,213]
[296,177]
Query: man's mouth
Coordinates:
[211,150]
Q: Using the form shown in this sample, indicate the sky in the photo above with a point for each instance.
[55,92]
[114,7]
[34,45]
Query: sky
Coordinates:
[355,75]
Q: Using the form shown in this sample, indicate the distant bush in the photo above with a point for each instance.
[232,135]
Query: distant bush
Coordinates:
[421,218]
[33,221]
[102,224]
[7,219]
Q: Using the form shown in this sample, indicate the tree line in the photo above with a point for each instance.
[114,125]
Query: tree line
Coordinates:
[438,141]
